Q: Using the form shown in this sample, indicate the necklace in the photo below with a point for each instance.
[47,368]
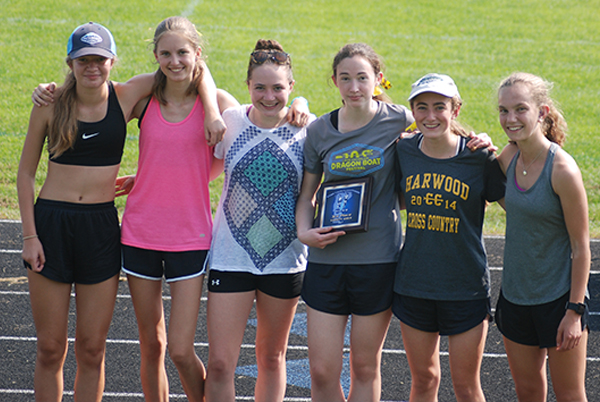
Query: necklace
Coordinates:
[531,163]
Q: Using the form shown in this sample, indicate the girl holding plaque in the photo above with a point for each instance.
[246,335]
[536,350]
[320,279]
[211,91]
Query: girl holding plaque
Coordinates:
[442,279]
[351,274]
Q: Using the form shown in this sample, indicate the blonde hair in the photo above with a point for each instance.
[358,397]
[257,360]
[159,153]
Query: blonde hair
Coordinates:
[554,125]
[63,129]
[187,29]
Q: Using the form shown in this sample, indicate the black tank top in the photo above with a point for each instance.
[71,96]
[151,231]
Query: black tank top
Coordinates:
[100,143]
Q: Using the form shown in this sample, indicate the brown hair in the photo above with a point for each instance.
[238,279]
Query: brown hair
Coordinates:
[63,129]
[363,50]
[187,29]
[268,45]
[554,125]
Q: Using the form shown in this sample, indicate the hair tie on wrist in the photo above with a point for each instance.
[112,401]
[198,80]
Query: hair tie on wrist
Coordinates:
[29,237]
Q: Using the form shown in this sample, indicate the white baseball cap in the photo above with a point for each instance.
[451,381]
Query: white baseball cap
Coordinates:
[436,83]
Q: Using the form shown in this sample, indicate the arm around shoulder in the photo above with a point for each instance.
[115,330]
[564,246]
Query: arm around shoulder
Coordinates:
[132,91]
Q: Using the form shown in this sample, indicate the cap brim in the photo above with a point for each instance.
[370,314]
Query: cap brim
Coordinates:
[450,93]
[91,51]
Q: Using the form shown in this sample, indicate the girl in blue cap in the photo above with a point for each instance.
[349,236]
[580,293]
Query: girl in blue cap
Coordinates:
[71,234]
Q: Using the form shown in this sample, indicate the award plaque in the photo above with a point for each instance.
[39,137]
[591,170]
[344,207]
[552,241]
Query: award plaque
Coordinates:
[345,205]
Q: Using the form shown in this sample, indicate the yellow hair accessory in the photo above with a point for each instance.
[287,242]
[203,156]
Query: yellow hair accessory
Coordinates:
[377,91]
[385,83]
[199,33]
[411,128]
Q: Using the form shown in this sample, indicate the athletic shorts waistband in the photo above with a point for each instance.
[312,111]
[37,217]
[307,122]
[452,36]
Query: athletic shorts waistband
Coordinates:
[43,202]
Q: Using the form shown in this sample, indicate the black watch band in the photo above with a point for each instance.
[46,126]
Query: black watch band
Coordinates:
[579,308]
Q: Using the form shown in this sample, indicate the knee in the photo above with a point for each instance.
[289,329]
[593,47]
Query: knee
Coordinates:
[51,352]
[468,392]
[153,349]
[181,355]
[572,395]
[425,381]
[322,374]
[220,369]
[272,361]
[364,371]
[90,352]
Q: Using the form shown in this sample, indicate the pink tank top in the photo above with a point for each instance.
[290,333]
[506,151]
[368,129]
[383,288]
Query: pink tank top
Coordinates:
[168,208]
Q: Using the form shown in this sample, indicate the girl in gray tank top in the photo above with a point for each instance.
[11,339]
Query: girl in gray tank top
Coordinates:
[547,254]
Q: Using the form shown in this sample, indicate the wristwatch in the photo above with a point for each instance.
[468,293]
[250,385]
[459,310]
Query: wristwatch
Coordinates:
[579,308]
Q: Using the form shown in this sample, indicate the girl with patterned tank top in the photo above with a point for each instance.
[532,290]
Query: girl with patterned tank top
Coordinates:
[255,255]
[542,309]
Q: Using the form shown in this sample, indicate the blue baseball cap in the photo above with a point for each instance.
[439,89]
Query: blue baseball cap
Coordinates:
[91,39]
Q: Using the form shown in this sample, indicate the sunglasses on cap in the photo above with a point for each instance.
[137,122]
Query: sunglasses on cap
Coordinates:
[261,56]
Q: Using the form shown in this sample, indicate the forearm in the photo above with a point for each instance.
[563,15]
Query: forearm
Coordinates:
[305,212]
[580,272]
[26,195]
[207,90]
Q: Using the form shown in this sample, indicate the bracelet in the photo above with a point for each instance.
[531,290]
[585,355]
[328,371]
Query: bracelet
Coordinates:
[300,97]
[29,237]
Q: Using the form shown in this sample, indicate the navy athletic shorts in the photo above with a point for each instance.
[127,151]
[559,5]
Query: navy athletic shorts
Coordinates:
[281,286]
[448,317]
[152,264]
[82,242]
[535,325]
[349,289]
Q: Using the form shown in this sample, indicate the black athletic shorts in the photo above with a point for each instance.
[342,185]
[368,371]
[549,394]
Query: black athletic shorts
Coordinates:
[448,317]
[535,325]
[282,286]
[82,242]
[349,289]
[152,264]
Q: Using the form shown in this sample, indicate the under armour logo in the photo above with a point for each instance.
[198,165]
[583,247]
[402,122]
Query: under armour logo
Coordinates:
[216,282]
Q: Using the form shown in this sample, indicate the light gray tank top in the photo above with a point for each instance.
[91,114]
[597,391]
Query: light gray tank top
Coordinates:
[537,255]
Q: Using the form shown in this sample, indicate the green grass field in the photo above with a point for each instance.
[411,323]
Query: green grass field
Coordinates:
[476,42]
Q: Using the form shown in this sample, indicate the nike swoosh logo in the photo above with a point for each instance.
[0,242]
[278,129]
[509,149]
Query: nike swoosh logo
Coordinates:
[87,136]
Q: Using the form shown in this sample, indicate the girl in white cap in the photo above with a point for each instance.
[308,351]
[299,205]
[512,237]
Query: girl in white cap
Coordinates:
[542,309]
[442,278]
[71,234]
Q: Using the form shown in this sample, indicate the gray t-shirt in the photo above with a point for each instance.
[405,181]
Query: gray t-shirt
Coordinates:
[368,151]
[443,257]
